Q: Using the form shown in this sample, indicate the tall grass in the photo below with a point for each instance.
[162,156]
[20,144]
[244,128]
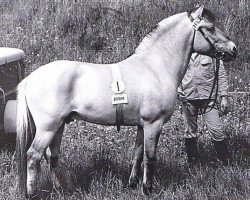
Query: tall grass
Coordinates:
[106,31]
[96,160]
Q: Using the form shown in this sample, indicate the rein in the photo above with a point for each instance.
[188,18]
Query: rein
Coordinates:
[216,70]
[215,84]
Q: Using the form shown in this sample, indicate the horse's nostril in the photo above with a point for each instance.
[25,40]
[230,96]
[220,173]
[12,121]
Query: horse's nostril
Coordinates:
[234,49]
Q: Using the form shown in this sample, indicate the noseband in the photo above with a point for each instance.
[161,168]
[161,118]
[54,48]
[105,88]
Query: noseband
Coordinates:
[196,27]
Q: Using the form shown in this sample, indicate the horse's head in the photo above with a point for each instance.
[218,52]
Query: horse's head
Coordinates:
[208,39]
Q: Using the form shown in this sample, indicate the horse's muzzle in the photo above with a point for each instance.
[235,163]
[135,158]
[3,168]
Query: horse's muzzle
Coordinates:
[231,54]
[226,53]
[227,56]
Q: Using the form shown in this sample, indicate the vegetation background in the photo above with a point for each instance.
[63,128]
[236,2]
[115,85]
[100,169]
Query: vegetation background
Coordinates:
[96,160]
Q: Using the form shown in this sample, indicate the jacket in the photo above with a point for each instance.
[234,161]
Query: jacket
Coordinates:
[198,80]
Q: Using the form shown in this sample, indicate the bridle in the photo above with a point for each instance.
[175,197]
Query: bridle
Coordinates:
[196,26]
[219,55]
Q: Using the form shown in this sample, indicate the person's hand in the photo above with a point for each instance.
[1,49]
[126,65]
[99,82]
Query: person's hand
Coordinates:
[181,96]
[224,105]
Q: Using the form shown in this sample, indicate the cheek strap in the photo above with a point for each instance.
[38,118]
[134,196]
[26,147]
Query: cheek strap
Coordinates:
[196,24]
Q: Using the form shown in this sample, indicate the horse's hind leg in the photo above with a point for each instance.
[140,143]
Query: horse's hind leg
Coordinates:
[34,155]
[138,157]
[55,151]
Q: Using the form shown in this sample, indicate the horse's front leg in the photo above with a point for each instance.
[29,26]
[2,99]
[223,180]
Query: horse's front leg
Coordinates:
[138,157]
[152,133]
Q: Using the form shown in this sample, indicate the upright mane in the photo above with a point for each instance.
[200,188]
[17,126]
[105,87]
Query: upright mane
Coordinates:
[208,14]
[160,29]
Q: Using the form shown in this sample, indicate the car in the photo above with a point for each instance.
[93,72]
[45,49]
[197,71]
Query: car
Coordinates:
[11,73]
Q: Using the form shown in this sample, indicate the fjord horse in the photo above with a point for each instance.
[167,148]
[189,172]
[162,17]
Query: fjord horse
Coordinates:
[53,92]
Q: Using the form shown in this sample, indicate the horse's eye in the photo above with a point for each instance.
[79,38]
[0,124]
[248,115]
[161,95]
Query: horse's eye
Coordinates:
[211,28]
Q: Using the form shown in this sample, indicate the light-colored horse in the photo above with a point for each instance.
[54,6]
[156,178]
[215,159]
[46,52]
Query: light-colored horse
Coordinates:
[63,89]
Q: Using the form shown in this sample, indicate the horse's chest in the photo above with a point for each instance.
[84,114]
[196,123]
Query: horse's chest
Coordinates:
[158,105]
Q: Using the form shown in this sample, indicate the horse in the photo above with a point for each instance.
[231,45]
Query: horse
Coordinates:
[63,90]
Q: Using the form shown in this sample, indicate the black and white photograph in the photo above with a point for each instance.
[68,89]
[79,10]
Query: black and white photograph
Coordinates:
[124,99]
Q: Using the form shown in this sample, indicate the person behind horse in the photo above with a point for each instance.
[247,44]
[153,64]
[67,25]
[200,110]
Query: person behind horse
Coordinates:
[194,92]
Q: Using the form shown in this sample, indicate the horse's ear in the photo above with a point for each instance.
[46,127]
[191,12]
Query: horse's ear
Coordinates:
[198,12]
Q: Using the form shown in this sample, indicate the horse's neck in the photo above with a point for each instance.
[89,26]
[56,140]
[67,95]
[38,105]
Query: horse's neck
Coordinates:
[168,49]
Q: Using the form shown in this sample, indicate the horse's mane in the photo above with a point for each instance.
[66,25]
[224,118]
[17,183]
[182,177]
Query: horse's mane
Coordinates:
[158,30]
[141,38]
[208,14]
[151,30]
[145,41]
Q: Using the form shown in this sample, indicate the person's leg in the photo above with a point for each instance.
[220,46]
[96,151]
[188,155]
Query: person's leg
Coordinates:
[191,128]
[215,128]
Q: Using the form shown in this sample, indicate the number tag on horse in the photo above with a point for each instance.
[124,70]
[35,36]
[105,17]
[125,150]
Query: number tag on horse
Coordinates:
[118,86]
[119,99]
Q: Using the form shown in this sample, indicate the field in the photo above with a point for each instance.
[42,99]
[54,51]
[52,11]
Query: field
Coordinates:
[96,160]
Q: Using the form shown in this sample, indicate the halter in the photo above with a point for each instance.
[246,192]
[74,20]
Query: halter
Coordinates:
[196,26]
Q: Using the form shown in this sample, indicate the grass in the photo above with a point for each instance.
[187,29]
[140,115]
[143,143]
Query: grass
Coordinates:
[96,160]
[106,31]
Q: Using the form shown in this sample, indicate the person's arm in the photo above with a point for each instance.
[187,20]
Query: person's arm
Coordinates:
[223,88]
[181,94]
[223,82]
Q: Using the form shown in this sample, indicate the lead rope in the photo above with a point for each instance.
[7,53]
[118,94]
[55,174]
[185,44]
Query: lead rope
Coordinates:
[216,71]
[215,84]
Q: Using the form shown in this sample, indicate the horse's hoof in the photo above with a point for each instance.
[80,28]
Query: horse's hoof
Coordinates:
[56,184]
[147,189]
[133,182]
[55,181]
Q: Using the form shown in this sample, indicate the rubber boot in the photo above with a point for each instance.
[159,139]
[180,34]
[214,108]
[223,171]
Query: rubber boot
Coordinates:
[192,150]
[221,149]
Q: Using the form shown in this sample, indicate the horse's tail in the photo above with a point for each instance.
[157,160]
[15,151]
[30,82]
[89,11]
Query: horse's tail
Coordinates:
[24,134]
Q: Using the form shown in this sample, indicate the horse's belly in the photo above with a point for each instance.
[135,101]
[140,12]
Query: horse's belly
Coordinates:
[107,115]
[95,106]
[93,100]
